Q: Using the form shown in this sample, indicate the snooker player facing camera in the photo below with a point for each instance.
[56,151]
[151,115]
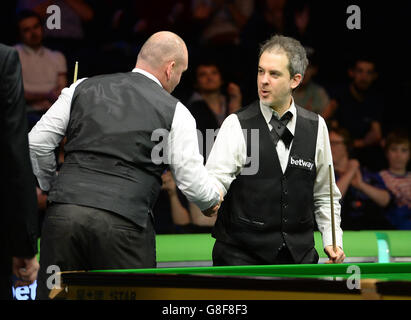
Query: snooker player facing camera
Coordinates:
[267,216]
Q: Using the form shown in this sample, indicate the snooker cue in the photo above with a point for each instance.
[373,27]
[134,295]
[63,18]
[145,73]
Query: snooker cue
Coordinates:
[75,72]
[332,208]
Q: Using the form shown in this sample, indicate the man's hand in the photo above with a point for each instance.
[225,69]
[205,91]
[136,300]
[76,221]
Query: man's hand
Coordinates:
[357,181]
[211,212]
[353,165]
[26,269]
[168,183]
[334,257]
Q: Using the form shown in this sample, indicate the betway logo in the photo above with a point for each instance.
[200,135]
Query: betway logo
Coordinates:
[301,163]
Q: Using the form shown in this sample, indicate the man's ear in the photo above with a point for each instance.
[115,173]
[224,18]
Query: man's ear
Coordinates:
[296,81]
[169,69]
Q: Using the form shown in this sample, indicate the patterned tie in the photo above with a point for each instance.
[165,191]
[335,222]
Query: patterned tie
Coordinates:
[280,130]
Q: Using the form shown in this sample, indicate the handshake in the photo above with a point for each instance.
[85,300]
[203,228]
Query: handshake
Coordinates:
[211,212]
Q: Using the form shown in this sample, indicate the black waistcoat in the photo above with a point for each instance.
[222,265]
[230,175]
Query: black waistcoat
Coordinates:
[108,163]
[262,211]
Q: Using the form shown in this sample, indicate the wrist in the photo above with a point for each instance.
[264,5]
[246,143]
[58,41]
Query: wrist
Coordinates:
[172,192]
[360,185]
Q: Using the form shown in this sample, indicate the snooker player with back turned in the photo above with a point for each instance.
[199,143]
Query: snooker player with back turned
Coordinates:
[267,216]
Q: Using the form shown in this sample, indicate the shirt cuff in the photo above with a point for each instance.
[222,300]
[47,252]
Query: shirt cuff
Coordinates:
[209,204]
[328,240]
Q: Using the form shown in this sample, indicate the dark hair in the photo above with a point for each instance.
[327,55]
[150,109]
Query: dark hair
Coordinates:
[24,14]
[345,134]
[363,58]
[207,63]
[397,137]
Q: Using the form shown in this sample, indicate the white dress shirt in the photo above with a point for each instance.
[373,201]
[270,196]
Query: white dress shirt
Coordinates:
[229,153]
[182,147]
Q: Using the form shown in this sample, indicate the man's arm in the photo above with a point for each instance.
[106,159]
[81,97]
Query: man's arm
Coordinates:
[345,179]
[179,213]
[229,153]
[61,82]
[373,136]
[186,162]
[46,136]
[44,100]
[380,196]
[322,203]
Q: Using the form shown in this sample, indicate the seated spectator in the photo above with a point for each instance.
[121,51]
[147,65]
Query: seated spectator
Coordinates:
[267,19]
[170,211]
[73,35]
[398,180]
[186,217]
[208,105]
[44,71]
[364,195]
[299,20]
[309,94]
[73,14]
[358,107]
[221,20]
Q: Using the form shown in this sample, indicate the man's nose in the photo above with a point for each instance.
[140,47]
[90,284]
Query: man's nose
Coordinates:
[264,78]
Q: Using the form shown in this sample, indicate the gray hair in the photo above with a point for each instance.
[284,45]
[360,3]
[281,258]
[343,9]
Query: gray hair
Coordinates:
[296,54]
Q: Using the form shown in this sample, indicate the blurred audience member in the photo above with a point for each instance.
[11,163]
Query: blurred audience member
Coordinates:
[309,94]
[44,70]
[71,35]
[364,195]
[170,211]
[212,101]
[73,14]
[358,107]
[301,27]
[209,107]
[134,21]
[398,180]
[123,26]
[266,20]
[221,20]
[187,217]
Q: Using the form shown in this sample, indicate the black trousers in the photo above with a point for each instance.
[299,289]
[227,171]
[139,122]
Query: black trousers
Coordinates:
[84,238]
[225,254]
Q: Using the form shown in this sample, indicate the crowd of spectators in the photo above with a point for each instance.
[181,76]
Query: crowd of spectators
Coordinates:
[345,83]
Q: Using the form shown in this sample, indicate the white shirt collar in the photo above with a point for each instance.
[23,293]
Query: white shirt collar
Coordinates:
[148,75]
[268,113]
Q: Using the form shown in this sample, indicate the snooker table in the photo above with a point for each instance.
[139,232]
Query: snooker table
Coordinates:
[182,250]
[272,282]
[372,271]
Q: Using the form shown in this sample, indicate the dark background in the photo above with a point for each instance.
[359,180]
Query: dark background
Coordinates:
[384,35]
